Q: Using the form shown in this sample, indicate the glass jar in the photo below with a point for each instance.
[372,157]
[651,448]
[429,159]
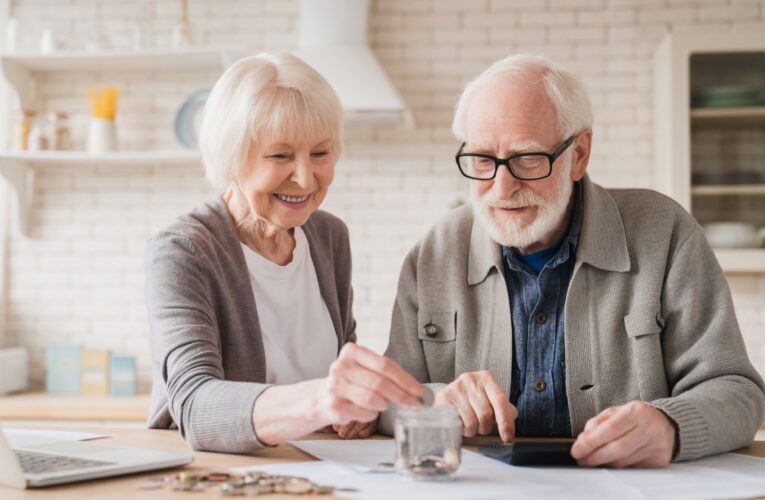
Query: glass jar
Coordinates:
[428,442]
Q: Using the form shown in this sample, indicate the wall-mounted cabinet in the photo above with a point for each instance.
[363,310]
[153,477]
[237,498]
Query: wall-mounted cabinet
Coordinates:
[21,71]
[709,112]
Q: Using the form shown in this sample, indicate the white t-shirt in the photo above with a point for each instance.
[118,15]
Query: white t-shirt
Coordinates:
[298,335]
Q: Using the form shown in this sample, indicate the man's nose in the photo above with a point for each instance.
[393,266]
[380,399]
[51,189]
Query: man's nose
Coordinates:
[504,183]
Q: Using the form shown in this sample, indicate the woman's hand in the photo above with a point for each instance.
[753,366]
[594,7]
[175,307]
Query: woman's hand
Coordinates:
[360,385]
[356,430]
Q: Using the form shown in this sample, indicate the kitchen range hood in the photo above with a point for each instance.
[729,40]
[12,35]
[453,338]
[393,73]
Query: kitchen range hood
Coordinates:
[333,40]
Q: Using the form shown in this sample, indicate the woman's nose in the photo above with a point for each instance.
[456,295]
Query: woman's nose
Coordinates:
[303,173]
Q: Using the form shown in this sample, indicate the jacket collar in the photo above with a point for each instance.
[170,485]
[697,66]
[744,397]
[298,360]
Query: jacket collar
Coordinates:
[602,241]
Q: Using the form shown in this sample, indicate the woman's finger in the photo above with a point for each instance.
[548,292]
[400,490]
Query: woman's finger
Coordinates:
[382,386]
[385,367]
[360,396]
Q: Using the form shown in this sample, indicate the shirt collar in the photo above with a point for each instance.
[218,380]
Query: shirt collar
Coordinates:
[601,242]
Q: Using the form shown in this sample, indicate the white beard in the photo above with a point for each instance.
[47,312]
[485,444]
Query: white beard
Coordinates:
[511,233]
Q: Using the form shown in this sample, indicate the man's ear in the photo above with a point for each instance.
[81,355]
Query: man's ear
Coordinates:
[581,154]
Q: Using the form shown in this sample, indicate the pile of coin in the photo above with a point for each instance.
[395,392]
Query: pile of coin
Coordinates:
[250,484]
[433,465]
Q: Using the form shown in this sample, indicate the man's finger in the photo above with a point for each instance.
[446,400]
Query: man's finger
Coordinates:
[605,431]
[467,415]
[482,408]
[599,418]
[504,412]
[620,452]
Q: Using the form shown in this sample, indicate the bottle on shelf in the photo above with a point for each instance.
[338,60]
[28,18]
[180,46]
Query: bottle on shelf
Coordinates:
[38,136]
[21,129]
[182,36]
[58,129]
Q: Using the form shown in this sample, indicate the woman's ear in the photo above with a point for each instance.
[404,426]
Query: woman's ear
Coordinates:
[581,154]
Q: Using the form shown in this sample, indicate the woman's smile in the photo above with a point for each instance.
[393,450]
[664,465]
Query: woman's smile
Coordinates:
[293,201]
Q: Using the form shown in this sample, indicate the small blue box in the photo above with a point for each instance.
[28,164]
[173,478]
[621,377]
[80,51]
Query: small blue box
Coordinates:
[63,369]
[122,376]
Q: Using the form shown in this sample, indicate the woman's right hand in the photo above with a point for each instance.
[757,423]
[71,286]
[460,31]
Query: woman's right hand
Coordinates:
[361,384]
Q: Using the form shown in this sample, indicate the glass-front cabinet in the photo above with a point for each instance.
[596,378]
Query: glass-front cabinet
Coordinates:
[710,138]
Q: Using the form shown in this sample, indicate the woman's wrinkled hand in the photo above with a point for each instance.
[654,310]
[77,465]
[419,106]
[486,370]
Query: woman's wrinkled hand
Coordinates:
[360,385]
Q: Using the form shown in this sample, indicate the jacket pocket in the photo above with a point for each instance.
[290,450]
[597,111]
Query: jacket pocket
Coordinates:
[644,325]
[437,332]
[437,326]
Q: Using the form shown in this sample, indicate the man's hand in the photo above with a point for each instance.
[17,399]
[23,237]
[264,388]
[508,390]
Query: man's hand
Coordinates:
[631,435]
[356,430]
[481,403]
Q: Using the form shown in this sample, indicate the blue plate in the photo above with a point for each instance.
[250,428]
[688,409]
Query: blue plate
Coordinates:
[189,117]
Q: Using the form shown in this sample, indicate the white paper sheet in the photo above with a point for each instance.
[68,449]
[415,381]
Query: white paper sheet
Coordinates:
[373,486]
[347,463]
[19,438]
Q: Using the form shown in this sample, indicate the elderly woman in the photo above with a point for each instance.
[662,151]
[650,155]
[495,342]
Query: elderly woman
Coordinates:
[249,295]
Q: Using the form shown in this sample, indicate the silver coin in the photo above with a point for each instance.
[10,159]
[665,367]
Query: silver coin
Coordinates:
[427,397]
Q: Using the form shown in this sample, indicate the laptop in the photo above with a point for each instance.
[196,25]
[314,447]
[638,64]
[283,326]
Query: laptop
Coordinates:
[70,461]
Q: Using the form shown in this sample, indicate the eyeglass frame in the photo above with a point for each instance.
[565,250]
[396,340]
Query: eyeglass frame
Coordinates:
[551,157]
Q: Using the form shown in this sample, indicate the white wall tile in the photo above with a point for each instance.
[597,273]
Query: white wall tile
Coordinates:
[80,279]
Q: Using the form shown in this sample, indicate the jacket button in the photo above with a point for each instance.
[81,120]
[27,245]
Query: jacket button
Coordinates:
[541,318]
[430,330]
[539,385]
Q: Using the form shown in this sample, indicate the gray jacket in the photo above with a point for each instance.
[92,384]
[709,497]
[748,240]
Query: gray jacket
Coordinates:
[209,365]
[648,316]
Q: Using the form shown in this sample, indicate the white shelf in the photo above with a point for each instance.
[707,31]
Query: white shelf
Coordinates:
[17,167]
[21,70]
[120,158]
[728,116]
[67,61]
[717,190]
[744,260]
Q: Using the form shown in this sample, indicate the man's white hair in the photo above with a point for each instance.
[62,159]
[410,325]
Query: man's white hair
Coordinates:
[565,91]
[261,98]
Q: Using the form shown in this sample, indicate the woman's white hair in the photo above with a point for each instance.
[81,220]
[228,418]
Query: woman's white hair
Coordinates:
[261,98]
[566,92]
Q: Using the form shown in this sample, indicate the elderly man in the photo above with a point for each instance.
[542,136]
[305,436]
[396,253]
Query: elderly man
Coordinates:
[555,307]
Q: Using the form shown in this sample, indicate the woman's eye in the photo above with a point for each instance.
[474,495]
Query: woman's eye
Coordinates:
[279,156]
[320,154]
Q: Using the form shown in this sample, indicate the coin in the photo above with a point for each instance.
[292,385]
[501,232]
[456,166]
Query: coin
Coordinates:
[150,485]
[427,397]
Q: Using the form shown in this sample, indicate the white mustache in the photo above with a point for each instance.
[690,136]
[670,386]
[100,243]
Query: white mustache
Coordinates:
[520,199]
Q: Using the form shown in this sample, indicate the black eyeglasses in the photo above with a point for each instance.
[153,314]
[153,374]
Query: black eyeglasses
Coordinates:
[523,166]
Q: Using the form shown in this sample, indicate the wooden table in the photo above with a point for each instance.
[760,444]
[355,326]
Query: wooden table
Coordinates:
[126,487]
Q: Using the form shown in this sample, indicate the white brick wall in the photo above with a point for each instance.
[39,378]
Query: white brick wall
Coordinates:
[79,277]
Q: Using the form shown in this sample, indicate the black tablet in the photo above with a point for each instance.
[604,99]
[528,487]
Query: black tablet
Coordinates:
[549,452]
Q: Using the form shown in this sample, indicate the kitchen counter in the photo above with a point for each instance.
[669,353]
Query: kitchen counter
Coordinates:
[43,406]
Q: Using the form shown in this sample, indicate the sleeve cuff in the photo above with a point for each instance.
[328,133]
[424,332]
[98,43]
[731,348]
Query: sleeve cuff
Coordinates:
[222,418]
[693,431]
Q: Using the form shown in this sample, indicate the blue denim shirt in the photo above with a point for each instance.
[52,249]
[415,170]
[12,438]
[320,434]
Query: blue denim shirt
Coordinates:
[537,301]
